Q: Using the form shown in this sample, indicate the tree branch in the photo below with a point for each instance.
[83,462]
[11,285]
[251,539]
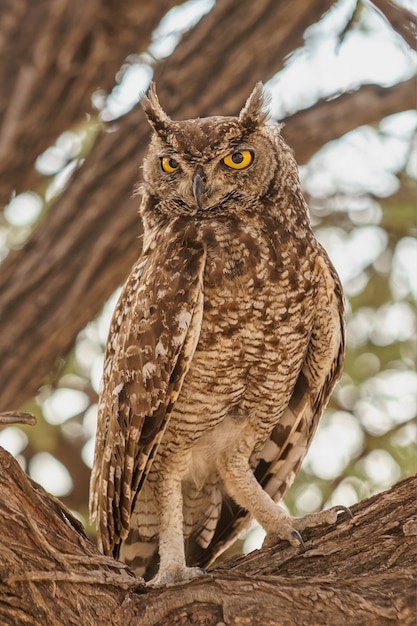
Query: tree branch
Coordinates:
[16,417]
[58,54]
[308,130]
[355,572]
[403,21]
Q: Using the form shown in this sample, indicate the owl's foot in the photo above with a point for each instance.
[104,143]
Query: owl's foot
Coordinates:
[175,574]
[286,531]
[329,516]
[291,528]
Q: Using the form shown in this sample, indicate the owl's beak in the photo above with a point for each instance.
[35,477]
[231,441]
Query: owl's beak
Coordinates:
[199,186]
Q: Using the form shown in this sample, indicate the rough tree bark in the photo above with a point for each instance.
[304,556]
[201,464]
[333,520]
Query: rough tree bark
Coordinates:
[358,572]
[52,287]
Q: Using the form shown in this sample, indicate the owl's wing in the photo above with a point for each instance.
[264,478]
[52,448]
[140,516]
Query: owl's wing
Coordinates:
[287,446]
[153,336]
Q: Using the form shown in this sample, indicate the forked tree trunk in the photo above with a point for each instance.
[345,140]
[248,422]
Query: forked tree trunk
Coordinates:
[357,572]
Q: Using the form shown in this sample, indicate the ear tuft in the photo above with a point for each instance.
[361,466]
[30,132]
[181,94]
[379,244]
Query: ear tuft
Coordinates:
[157,117]
[254,112]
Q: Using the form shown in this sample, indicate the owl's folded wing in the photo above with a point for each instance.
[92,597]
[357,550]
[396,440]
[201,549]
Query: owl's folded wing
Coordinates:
[153,336]
[321,370]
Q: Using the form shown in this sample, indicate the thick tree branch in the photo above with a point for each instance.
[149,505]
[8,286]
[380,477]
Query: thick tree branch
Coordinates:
[56,53]
[355,573]
[310,129]
[403,21]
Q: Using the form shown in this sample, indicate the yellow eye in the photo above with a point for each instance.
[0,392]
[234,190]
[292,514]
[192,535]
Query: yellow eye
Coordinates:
[169,164]
[239,160]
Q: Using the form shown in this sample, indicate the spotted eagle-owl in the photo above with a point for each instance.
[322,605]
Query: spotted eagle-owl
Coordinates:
[224,348]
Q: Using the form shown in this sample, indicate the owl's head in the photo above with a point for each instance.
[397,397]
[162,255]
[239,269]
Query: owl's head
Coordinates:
[210,166]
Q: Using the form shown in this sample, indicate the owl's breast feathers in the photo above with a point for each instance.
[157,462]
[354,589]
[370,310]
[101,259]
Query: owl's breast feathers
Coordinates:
[246,304]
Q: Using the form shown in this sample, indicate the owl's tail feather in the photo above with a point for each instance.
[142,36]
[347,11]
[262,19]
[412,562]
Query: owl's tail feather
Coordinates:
[140,555]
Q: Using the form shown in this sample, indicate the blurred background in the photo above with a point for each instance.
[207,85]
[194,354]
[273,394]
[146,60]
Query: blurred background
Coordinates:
[341,75]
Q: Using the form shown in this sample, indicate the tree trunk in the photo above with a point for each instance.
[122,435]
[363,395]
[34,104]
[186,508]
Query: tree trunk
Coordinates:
[59,280]
[357,572]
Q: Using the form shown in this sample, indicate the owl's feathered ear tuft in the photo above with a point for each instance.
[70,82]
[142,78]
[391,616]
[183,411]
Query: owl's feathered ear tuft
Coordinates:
[157,117]
[254,113]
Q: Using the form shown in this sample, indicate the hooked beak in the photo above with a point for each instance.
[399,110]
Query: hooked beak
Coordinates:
[199,186]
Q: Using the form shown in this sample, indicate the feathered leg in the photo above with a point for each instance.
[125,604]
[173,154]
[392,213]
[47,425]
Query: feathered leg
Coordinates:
[172,566]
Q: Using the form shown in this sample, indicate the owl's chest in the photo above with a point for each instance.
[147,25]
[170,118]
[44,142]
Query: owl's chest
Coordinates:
[256,294]
[253,339]
[257,320]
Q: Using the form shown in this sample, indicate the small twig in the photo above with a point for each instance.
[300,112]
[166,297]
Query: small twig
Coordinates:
[17,417]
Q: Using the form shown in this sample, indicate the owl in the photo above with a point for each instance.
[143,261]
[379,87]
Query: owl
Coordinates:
[223,350]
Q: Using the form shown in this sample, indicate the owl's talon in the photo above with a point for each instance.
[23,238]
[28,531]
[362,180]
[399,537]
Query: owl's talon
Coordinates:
[299,538]
[344,509]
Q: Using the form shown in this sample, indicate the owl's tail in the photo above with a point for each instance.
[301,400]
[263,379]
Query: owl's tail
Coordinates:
[140,555]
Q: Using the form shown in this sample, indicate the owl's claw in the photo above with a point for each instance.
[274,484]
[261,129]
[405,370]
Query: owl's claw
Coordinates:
[343,509]
[287,532]
[299,538]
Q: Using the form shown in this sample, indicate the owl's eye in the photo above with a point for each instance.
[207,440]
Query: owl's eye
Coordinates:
[169,164]
[239,160]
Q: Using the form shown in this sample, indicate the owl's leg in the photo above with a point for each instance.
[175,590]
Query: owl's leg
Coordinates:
[172,566]
[242,486]
[245,490]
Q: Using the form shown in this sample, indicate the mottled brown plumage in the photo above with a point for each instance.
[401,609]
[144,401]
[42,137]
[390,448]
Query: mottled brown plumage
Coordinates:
[224,348]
